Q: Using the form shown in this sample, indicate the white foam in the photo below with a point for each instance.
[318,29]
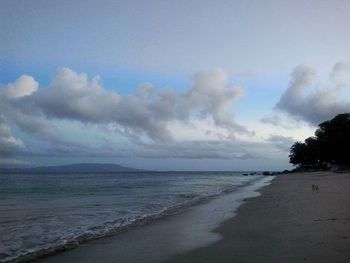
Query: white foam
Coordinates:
[176,234]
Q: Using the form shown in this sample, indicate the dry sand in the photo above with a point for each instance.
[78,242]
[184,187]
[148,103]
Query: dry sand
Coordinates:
[288,223]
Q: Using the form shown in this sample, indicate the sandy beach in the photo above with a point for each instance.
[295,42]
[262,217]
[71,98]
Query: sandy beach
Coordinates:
[288,223]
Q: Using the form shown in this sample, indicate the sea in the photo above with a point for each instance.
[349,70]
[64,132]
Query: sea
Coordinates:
[42,214]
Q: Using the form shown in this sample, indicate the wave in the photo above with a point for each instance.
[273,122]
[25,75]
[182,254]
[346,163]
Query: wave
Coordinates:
[114,227]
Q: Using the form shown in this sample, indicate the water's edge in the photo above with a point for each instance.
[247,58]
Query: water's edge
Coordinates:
[112,228]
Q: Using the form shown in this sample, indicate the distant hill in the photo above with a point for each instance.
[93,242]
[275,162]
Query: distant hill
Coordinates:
[73,168]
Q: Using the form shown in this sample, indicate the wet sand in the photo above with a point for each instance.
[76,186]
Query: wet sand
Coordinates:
[160,240]
[289,223]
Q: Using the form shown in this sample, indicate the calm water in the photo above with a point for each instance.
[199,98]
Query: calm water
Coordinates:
[44,212]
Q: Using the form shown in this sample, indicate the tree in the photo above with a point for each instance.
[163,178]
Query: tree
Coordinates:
[334,136]
[297,152]
[331,144]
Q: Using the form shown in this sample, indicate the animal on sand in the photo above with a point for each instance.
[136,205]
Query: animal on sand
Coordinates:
[315,188]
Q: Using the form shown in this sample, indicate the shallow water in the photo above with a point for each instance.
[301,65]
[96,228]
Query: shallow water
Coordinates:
[40,213]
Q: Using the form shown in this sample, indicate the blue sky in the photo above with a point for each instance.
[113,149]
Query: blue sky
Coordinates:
[255,75]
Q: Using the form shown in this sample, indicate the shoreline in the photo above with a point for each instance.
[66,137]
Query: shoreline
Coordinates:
[289,222]
[161,239]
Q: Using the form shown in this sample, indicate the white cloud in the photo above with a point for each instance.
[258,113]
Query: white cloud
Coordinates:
[281,142]
[73,96]
[146,112]
[23,86]
[211,93]
[307,100]
[147,117]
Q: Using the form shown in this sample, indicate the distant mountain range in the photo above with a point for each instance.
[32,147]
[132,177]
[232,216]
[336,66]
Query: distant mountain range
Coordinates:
[73,168]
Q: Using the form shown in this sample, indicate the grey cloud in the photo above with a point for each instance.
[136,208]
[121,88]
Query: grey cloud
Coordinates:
[210,93]
[281,142]
[196,150]
[314,103]
[276,120]
[203,149]
[215,149]
[272,119]
[9,145]
[18,109]
[148,111]
[73,96]
[21,113]
[340,70]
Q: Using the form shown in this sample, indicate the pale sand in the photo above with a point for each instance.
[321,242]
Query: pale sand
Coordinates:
[288,223]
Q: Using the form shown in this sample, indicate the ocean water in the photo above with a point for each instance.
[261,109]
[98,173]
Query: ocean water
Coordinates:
[42,214]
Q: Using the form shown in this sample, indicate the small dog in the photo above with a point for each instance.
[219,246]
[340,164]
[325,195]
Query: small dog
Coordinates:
[315,188]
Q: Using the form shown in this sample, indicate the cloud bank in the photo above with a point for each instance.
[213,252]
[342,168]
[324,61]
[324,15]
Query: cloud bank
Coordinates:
[146,112]
[144,116]
[313,102]
[197,123]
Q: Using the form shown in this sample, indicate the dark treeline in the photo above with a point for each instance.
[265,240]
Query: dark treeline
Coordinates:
[330,145]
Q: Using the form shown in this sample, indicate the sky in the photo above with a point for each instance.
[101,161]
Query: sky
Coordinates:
[169,85]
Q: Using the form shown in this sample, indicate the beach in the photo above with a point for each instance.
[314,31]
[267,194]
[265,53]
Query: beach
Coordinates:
[43,214]
[289,222]
[161,239]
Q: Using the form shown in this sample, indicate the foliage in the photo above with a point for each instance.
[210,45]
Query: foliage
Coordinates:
[331,144]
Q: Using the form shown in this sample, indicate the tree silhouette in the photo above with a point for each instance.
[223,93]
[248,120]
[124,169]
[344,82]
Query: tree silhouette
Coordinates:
[331,144]
[297,153]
